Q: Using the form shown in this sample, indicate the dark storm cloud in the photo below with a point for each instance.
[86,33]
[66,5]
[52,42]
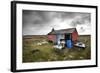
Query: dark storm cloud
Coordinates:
[81,18]
[38,20]
[34,17]
[43,17]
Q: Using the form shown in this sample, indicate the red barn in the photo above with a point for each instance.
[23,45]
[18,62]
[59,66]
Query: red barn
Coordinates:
[63,34]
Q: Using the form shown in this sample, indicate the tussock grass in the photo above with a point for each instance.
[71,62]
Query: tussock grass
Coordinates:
[45,52]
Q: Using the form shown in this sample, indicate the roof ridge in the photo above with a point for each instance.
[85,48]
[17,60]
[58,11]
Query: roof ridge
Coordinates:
[65,29]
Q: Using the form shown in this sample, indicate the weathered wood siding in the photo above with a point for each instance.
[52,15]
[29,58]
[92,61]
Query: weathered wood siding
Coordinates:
[52,38]
[74,36]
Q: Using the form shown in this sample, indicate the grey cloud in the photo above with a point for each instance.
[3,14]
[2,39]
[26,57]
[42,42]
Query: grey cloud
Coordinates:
[36,17]
[43,17]
[82,18]
[34,21]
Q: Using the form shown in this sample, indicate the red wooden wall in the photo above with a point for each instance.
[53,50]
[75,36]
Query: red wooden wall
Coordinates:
[52,38]
[74,36]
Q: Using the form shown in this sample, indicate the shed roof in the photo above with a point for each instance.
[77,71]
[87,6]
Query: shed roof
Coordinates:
[63,31]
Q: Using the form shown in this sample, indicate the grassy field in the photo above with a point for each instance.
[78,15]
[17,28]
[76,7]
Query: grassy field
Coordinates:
[33,51]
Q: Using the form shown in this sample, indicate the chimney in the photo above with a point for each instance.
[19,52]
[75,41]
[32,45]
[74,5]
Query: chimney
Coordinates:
[52,30]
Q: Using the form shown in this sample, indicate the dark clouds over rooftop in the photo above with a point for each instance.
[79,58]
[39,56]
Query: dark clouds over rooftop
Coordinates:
[38,22]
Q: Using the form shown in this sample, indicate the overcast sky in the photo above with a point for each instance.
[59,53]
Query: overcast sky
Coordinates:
[41,22]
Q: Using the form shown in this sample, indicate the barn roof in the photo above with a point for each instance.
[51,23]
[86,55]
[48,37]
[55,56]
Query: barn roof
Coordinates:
[63,31]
